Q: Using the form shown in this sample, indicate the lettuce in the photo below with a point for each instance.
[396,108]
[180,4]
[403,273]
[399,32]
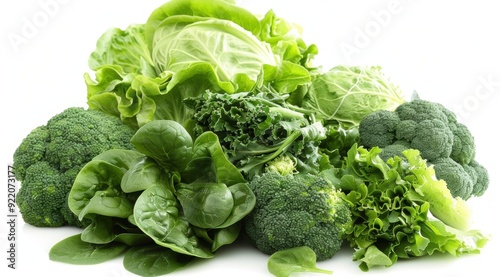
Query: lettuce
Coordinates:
[186,47]
[400,210]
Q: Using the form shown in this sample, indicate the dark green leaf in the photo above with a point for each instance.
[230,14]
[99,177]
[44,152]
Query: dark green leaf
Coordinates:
[157,214]
[73,250]
[154,260]
[166,141]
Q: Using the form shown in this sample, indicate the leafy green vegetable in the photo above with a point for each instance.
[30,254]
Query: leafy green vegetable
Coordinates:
[144,72]
[348,93]
[128,48]
[392,203]
[73,250]
[205,205]
[257,127]
[185,197]
[298,259]
[216,47]
[214,205]
[210,164]
[146,172]
[154,260]
[158,214]
[96,189]
[165,141]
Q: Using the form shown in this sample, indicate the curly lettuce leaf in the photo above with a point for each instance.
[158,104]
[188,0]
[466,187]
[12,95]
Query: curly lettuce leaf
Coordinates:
[397,212]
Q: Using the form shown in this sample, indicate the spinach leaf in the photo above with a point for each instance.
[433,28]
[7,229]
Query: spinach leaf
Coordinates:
[213,193]
[299,259]
[165,141]
[210,164]
[109,202]
[157,213]
[73,250]
[244,202]
[214,205]
[219,237]
[143,174]
[205,205]
[96,188]
[99,231]
[154,260]
[105,229]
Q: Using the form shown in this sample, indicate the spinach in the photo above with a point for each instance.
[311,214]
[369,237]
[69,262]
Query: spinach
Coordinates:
[154,260]
[143,174]
[299,259]
[96,189]
[157,213]
[173,199]
[205,205]
[219,237]
[165,141]
[210,164]
[214,205]
[73,250]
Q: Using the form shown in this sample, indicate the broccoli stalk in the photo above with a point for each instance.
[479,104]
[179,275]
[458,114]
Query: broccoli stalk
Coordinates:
[48,159]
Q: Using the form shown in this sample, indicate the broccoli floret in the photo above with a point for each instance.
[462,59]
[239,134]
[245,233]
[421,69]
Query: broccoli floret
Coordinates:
[458,181]
[31,151]
[44,183]
[48,159]
[433,130]
[406,130]
[433,139]
[420,110]
[393,150]
[378,128]
[464,148]
[482,179]
[297,210]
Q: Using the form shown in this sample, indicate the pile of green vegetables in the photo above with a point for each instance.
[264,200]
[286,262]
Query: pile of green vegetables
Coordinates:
[207,124]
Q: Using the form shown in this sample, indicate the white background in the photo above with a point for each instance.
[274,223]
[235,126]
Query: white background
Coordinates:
[446,51]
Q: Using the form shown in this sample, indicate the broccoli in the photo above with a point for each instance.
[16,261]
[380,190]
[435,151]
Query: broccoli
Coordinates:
[383,133]
[393,150]
[48,159]
[441,140]
[480,176]
[454,173]
[294,210]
